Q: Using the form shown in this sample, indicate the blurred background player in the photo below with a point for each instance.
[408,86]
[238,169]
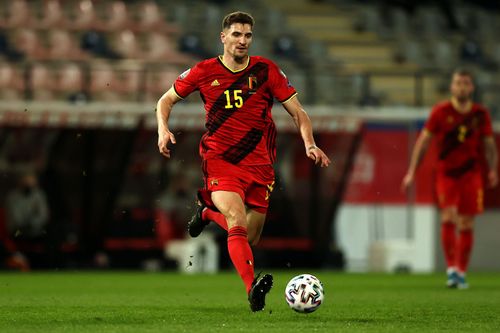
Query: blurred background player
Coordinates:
[461,128]
[238,149]
[27,209]
[27,216]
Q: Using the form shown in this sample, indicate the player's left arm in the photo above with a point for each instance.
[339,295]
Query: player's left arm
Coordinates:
[303,123]
[490,150]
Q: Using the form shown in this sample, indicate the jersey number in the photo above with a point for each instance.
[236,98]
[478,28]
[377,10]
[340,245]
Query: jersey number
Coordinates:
[237,99]
[462,133]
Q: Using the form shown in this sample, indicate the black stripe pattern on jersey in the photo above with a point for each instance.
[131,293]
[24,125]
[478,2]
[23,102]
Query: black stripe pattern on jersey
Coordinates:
[451,140]
[271,142]
[459,171]
[245,146]
[218,113]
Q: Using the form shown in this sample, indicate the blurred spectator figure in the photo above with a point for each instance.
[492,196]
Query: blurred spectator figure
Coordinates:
[53,15]
[94,42]
[27,210]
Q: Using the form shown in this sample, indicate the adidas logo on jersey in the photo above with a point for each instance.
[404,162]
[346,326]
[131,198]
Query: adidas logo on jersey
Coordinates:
[215,83]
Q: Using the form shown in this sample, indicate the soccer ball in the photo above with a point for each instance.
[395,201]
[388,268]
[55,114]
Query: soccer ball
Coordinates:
[304,293]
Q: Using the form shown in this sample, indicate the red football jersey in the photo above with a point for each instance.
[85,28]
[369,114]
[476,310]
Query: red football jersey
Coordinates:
[240,128]
[460,136]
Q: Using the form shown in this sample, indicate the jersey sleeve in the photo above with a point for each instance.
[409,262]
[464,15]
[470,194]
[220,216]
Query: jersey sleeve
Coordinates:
[432,123]
[281,87]
[187,82]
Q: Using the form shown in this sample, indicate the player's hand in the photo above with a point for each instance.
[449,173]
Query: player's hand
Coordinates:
[492,178]
[318,156]
[164,137]
[408,180]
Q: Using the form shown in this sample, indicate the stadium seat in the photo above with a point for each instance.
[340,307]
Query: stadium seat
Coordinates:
[53,15]
[126,44]
[150,18]
[104,85]
[19,15]
[70,83]
[131,80]
[158,81]
[11,82]
[28,42]
[96,43]
[159,47]
[42,82]
[85,16]
[62,46]
[118,17]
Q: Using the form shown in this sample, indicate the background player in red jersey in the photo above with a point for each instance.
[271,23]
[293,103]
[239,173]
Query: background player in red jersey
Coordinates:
[461,128]
[238,149]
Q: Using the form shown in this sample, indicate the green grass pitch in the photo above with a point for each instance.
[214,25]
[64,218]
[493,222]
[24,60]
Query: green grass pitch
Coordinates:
[169,302]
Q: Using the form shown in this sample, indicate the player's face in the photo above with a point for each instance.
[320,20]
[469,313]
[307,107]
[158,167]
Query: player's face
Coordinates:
[461,87]
[237,39]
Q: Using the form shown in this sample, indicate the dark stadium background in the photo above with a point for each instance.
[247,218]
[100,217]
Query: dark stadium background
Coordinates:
[79,81]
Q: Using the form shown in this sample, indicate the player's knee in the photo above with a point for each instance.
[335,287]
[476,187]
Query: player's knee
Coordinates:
[448,215]
[466,223]
[236,220]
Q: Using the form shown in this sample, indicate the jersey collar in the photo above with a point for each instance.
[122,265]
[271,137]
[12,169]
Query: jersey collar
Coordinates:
[229,69]
[456,105]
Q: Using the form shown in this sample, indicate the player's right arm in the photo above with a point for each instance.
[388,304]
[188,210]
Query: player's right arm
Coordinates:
[417,154]
[163,110]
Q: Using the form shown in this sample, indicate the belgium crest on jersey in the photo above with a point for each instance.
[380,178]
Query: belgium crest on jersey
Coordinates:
[252,84]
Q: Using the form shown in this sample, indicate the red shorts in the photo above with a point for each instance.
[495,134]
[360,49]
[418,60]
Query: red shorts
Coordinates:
[465,193]
[254,184]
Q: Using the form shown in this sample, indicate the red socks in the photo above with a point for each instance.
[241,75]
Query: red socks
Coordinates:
[464,247]
[237,245]
[448,242]
[457,250]
[210,215]
[241,254]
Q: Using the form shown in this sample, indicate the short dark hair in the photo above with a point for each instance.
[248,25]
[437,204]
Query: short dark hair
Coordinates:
[463,72]
[237,17]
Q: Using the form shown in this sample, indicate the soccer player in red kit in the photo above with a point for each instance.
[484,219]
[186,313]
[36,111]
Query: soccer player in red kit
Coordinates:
[461,128]
[238,149]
